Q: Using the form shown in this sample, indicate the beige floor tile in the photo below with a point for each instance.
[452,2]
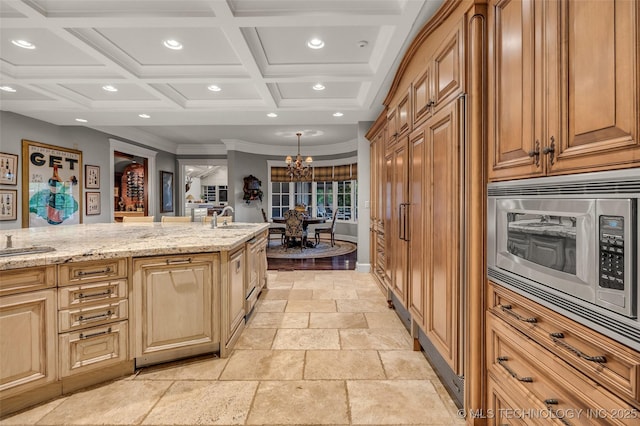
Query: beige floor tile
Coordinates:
[311,306]
[313,285]
[30,417]
[275,294]
[123,402]
[306,339]
[206,403]
[264,365]
[270,305]
[448,402]
[362,365]
[371,293]
[362,305]
[406,365]
[305,402]
[337,320]
[377,339]
[354,284]
[300,294]
[385,402]
[202,368]
[256,338]
[279,320]
[335,294]
[388,319]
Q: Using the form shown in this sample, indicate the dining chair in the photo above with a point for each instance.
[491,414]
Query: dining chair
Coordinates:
[137,219]
[293,228]
[273,230]
[328,230]
[175,219]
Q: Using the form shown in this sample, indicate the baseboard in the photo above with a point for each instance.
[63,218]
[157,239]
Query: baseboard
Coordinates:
[363,267]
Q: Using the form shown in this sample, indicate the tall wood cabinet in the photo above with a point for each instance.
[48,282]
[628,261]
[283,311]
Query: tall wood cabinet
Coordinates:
[564,91]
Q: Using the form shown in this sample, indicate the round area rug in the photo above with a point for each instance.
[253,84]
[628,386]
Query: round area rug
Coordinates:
[323,249]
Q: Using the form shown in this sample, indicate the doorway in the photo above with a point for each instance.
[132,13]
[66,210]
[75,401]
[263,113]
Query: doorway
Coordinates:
[204,184]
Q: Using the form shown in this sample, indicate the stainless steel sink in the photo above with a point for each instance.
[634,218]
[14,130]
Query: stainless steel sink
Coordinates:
[18,251]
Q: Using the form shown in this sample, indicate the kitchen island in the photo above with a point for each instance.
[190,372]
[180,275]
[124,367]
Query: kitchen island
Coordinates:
[82,304]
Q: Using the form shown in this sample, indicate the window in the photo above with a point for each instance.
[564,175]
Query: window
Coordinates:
[302,191]
[345,198]
[324,199]
[279,198]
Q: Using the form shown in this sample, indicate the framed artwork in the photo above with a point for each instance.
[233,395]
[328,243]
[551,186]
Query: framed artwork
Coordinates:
[51,185]
[166,197]
[8,204]
[92,177]
[93,203]
[8,169]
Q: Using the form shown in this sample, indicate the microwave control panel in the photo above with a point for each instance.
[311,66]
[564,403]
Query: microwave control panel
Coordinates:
[611,252]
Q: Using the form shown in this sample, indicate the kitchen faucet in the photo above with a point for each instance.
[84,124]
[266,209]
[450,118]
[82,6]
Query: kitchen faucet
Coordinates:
[223,213]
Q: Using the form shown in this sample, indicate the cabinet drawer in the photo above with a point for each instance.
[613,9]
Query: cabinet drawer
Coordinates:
[14,281]
[101,270]
[93,348]
[506,405]
[554,386]
[609,363]
[93,315]
[89,294]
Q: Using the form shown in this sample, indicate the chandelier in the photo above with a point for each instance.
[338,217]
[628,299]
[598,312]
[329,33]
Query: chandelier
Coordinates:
[297,170]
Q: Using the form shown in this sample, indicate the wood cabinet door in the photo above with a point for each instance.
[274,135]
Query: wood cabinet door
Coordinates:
[236,295]
[173,303]
[399,223]
[390,233]
[418,210]
[422,96]
[448,65]
[443,281]
[404,114]
[514,90]
[594,106]
[28,334]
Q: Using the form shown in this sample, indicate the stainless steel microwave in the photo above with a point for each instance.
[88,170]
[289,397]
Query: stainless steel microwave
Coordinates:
[570,241]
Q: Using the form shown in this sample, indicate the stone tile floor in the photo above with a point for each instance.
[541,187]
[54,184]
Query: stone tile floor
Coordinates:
[321,348]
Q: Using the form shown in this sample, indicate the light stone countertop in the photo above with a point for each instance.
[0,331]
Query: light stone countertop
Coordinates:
[75,243]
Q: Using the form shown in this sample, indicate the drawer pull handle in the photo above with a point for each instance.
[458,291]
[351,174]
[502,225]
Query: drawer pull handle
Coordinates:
[502,360]
[178,261]
[95,317]
[107,270]
[554,413]
[100,333]
[87,296]
[556,337]
[507,310]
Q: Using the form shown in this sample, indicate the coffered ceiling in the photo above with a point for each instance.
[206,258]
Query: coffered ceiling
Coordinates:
[254,51]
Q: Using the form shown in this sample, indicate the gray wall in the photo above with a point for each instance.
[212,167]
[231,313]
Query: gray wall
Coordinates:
[364,199]
[93,144]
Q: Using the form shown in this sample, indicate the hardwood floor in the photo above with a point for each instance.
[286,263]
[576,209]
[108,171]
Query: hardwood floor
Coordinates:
[344,262]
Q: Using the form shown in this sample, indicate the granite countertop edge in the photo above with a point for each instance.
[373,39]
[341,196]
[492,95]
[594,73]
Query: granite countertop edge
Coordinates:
[90,242]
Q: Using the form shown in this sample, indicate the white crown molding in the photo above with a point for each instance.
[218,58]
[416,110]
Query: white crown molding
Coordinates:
[254,148]
[201,149]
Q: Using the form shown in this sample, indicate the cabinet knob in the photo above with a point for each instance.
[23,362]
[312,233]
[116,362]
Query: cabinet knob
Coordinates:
[536,153]
[550,150]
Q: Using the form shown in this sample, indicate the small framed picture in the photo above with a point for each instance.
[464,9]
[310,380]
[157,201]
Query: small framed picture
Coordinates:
[8,207]
[8,169]
[93,203]
[92,177]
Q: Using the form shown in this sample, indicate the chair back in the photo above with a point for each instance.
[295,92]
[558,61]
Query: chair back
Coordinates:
[293,223]
[137,219]
[175,219]
[333,220]
[264,216]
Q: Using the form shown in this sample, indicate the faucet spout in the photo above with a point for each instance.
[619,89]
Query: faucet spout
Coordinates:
[225,210]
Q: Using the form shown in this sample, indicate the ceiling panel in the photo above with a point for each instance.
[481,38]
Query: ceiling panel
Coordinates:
[200,91]
[6,11]
[23,93]
[50,49]
[101,8]
[333,90]
[95,92]
[334,7]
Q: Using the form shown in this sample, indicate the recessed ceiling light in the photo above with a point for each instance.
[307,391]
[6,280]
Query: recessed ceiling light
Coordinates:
[109,88]
[81,120]
[272,115]
[173,44]
[363,43]
[338,114]
[24,44]
[8,89]
[318,86]
[315,43]
[144,116]
[214,88]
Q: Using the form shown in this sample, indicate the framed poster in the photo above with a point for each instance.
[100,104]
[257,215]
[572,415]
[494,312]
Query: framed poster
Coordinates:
[93,203]
[92,177]
[51,185]
[8,204]
[166,197]
[8,169]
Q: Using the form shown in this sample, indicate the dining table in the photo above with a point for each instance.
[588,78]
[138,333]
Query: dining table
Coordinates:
[306,221]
